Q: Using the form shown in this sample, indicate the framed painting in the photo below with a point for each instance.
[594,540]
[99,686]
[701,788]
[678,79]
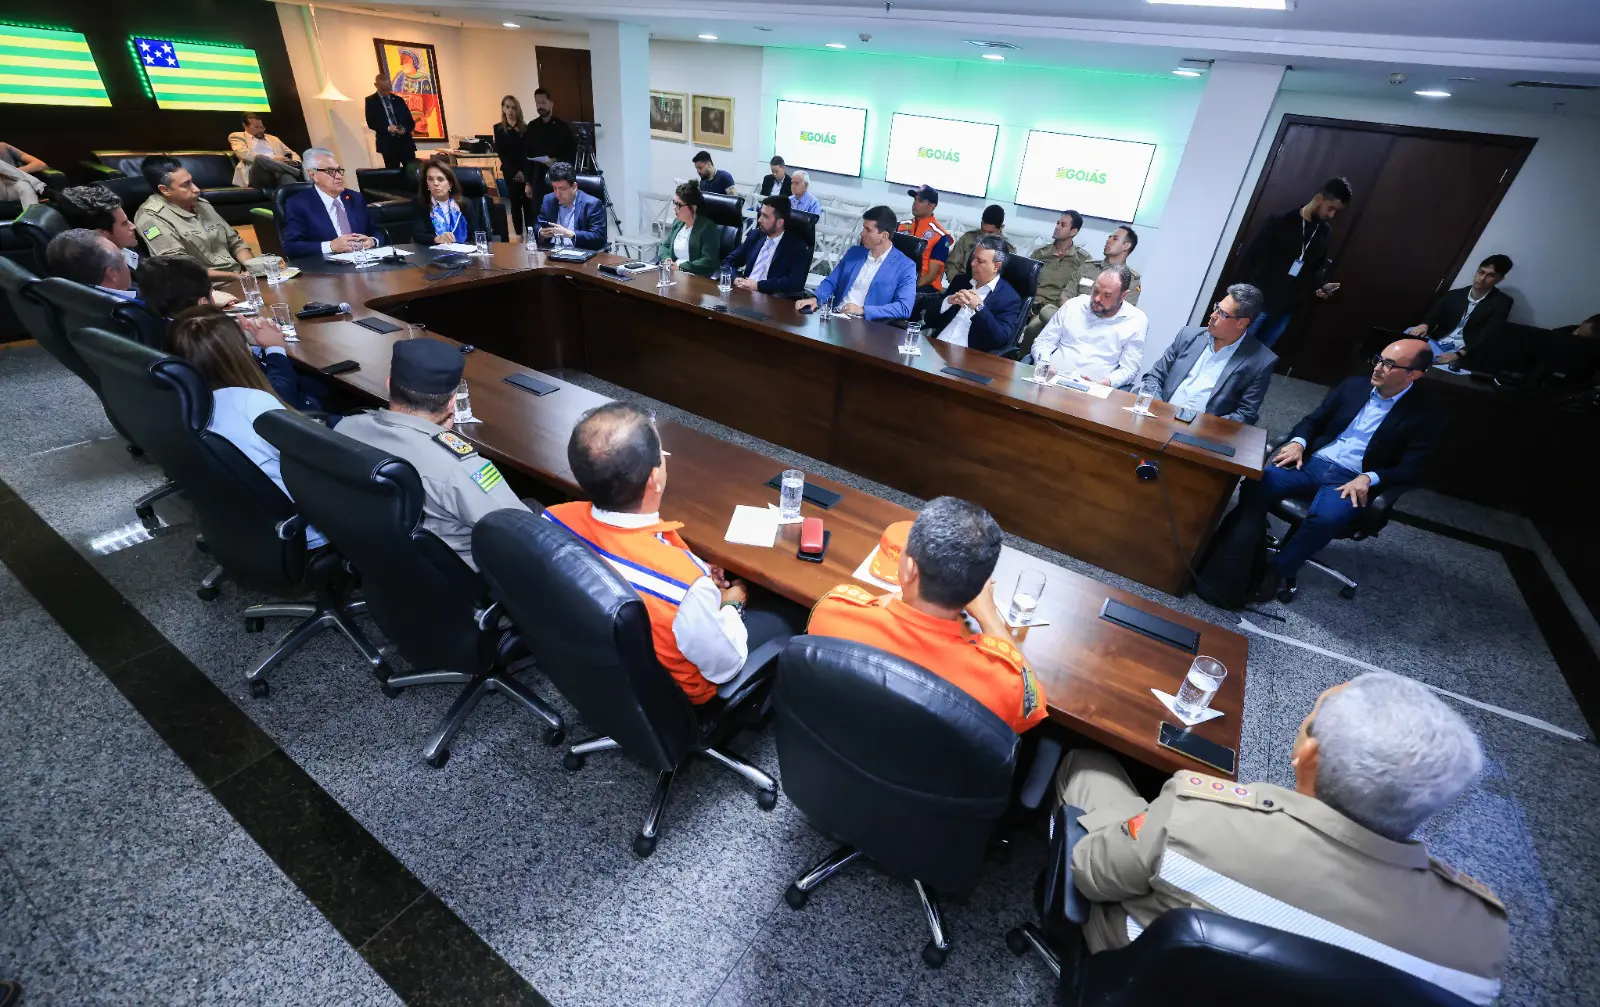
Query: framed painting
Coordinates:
[712,119]
[669,116]
[413,72]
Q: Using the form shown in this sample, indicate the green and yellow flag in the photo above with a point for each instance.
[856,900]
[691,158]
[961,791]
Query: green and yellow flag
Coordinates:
[191,75]
[45,66]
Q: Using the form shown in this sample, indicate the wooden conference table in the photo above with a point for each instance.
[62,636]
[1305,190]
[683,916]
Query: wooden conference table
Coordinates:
[1096,675]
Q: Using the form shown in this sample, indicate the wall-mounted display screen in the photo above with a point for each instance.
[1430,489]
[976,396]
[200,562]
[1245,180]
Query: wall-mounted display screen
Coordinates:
[193,75]
[1095,176]
[948,154]
[821,137]
[46,66]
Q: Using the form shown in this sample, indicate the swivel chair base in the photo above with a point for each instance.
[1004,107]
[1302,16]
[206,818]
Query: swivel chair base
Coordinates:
[799,893]
[144,507]
[437,751]
[1291,585]
[327,612]
[644,843]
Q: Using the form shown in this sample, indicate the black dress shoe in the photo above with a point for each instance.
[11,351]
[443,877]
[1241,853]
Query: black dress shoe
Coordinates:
[1267,590]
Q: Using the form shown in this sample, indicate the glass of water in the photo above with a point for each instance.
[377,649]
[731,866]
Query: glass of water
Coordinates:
[1142,403]
[1044,372]
[535,254]
[911,342]
[416,330]
[252,291]
[274,270]
[1025,599]
[463,405]
[663,274]
[792,492]
[481,239]
[1204,679]
[825,310]
[285,320]
[725,280]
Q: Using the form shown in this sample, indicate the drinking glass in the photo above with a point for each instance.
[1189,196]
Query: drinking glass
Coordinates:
[252,291]
[825,310]
[274,270]
[463,404]
[725,280]
[285,320]
[1142,403]
[911,342]
[1025,599]
[1044,372]
[664,274]
[1204,679]
[364,256]
[792,492]
[416,330]
[535,254]
[481,239]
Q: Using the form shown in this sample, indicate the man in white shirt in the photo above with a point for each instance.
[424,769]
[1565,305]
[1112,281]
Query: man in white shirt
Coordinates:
[982,310]
[88,257]
[265,162]
[1098,337]
[1218,368]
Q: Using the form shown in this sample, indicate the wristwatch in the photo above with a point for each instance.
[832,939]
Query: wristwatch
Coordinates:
[737,606]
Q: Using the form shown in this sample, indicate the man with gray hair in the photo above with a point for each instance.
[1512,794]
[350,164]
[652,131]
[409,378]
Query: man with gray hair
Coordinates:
[1332,859]
[88,257]
[981,310]
[800,197]
[327,218]
[1096,337]
[1216,368]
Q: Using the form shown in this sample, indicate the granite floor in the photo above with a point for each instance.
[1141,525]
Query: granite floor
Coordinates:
[127,875]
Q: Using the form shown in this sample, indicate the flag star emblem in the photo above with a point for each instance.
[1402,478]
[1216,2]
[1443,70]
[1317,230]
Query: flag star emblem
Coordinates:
[171,61]
[165,47]
[144,45]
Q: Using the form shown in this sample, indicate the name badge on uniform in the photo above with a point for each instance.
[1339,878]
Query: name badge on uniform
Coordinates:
[1296,266]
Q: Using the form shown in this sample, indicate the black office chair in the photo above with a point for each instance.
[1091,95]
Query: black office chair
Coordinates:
[594,185]
[590,634]
[911,246]
[1022,272]
[133,190]
[84,307]
[250,527]
[37,225]
[475,190]
[1374,517]
[803,225]
[897,763]
[429,603]
[727,212]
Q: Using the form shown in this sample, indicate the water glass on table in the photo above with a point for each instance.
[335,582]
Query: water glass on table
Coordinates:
[1025,599]
[464,405]
[825,310]
[285,320]
[416,330]
[725,280]
[481,239]
[252,292]
[792,491]
[274,270]
[663,274]
[1044,372]
[1142,403]
[1204,679]
[911,342]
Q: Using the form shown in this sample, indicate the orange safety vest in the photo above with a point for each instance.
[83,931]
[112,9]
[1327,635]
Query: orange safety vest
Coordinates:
[990,670]
[937,247]
[660,567]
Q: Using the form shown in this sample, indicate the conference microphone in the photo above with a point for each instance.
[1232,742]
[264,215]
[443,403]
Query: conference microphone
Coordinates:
[317,309]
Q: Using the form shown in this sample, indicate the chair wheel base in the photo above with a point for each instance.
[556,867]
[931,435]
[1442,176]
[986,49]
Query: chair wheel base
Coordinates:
[201,545]
[438,760]
[254,624]
[554,736]
[389,690]
[206,593]
[1347,592]
[1286,595]
[766,800]
[643,846]
[1017,942]
[796,897]
[573,761]
[933,955]
[259,688]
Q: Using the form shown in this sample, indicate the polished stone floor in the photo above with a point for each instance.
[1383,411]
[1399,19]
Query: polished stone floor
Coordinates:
[167,838]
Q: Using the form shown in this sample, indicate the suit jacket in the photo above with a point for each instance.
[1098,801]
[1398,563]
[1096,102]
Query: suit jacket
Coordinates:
[387,142]
[994,326]
[1488,318]
[422,231]
[783,186]
[1239,391]
[788,268]
[306,224]
[240,144]
[705,246]
[893,290]
[1399,447]
[590,225]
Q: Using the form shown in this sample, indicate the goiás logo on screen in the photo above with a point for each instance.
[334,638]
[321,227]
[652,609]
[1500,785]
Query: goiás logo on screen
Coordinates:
[1081,175]
[935,154]
[807,136]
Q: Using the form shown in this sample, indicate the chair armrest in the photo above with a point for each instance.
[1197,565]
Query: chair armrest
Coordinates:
[97,171]
[52,178]
[1060,902]
[1378,509]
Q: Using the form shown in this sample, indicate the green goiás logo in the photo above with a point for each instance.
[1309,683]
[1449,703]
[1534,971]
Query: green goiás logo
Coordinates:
[808,136]
[935,154]
[1081,175]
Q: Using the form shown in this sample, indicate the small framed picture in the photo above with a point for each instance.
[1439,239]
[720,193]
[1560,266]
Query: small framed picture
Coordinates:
[713,121]
[669,116]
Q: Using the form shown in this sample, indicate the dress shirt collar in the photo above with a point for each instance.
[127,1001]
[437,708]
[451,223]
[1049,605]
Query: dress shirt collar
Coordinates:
[923,621]
[327,200]
[621,519]
[988,288]
[879,257]
[124,295]
[1391,400]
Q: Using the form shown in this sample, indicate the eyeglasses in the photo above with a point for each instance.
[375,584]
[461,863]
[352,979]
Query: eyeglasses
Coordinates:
[1385,364]
[680,204]
[1217,309]
[335,172]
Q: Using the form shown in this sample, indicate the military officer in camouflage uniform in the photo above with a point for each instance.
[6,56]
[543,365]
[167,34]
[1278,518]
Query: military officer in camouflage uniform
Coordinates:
[459,485]
[176,221]
[1064,264]
[1331,859]
[1119,245]
[994,222]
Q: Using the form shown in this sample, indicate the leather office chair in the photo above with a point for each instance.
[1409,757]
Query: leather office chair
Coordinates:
[594,185]
[590,634]
[1374,517]
[474,190]
[1022,272]
[132,190]
[897,763]
[429,603]
[911,246]
[37,225]
[803,225]
[727,212]
[253,531]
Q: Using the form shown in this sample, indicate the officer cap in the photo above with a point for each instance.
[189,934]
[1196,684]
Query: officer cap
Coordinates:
[426,366]
[926,192]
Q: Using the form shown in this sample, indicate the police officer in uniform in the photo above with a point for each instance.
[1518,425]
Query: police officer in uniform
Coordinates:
[944,568]
[1065,264]
[1331,859]
[176,221]
[1119,245]
[459,485]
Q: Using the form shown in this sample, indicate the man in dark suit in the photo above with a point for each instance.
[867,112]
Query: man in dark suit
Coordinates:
[1467,319]
[391,120]
[570,217]
[327,218]
[771,260]
[1369,432]
[1218,368]
[981,310]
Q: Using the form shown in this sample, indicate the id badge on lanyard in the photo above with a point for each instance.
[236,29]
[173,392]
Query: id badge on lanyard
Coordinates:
[1296,266]
[1300,262]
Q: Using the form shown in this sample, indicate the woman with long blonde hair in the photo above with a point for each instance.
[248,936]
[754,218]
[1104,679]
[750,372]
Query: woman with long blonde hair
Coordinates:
[511,143]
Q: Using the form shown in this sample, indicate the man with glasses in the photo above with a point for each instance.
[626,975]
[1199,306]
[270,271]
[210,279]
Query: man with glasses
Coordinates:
[1218,369]
[175,220]
[328,218]
[1369,432]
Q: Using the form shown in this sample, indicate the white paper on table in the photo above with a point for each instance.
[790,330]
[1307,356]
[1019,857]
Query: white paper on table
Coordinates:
[1137,412]
[456,246]
[1171,703]
[1093,388]
[864,573]
[1004,607]
[753,526]
[381,251]
[910,351]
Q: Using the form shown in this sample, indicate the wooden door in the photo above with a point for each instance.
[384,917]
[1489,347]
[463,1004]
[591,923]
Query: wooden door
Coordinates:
[565,74]
[1422,198]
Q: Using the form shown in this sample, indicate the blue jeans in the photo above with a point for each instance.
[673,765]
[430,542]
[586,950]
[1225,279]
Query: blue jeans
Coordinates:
[1268,327]
[1329,514]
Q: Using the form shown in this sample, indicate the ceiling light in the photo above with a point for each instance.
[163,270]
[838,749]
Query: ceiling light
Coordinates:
[1242,4]
[1432,94]
[509,24]
[982,43]
[1184,71]
[1192,67]
[834,45]
[994,56]
[759,28]
[709,38]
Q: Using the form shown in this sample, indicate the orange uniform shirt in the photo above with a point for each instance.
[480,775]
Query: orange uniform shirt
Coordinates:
[990,670]
[936,250]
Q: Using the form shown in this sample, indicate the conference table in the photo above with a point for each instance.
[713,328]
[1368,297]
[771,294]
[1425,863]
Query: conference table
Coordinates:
[1096,675]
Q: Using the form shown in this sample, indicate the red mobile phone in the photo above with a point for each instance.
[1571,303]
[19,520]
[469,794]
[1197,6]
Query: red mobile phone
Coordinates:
[811,536]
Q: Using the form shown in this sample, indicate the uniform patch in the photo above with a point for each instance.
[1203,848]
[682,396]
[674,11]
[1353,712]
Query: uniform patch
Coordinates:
[455,444]
[852,594]
[1468,882]
[1030,692]
[1215,788]
[1003,649]
[487,477]
[1133,825]
[152,232]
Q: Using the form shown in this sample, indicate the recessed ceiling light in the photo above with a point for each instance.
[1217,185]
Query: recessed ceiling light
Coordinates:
[1243,4]
[834,45]
[994,56]
[1432,94]
[509,24]
[983,43]
[1184,71]
[759,28]
[709,38]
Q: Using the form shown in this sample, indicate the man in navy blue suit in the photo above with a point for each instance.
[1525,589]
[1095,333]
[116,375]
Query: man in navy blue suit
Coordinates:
[771,259]
[327,218]
[981,310]
[570,217]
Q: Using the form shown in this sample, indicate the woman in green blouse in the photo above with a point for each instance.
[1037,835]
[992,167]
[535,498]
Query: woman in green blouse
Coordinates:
[695,242]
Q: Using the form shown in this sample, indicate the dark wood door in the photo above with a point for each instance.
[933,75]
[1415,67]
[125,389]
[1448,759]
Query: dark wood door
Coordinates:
[1422,198]
[565,74]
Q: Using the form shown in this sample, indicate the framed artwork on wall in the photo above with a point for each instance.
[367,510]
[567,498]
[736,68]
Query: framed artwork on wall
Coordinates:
[413,71]
[713,121]
[669,116]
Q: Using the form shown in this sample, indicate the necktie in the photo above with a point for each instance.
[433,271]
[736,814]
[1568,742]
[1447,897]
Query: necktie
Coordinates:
[341,219]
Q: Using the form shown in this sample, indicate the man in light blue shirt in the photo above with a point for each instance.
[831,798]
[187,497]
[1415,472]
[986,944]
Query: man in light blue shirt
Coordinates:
[800,197]
[1218,369]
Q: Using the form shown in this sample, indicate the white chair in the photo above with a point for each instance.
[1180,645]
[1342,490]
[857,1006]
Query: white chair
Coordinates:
[655,214]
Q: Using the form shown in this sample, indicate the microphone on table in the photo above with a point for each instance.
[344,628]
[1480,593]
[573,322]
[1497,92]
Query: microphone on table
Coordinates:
[317,309]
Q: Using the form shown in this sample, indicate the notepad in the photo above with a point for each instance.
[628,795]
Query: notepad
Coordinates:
[372,253]
[756,526]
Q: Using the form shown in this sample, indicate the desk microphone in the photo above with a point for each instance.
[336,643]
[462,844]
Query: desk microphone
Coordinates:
[317,309]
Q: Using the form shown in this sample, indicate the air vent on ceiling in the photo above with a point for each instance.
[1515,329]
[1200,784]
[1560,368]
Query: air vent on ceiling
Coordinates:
[988,44]
[1554,86]
[539,17]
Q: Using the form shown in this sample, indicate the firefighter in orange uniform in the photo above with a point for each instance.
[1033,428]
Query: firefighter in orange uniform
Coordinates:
[942,564]
[702,631]
[923,224]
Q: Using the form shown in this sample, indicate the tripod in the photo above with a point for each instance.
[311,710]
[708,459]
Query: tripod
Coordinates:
[587,163]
